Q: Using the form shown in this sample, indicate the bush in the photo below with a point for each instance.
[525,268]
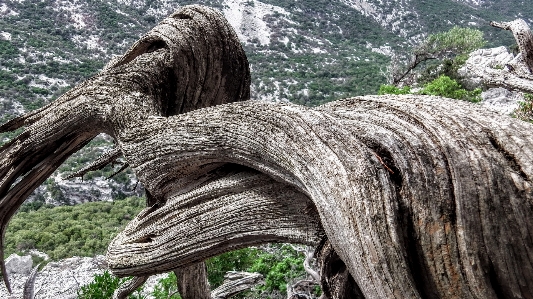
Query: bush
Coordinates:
[444,86]
[391,89]
[167,288]
[103,286]
[525,109]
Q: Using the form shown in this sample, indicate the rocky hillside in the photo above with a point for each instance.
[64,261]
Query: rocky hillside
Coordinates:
[308,52]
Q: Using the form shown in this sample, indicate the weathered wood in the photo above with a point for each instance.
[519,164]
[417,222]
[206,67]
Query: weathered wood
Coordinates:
[515,74]
[235,283]
[124,290]
[29,285]
[417,200]
[440,223]
[192,59]
[192,281]
[523,37]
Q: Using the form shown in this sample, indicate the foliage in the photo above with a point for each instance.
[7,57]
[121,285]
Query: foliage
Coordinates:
[279,264]
[61,232]
[444,86]
[448,48]
[525,108]
[103,286]
[279,269]
[166,288]
[238,260]
[452,42]
[391,89]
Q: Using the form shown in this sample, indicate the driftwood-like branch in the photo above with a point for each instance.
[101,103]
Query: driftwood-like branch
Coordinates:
[235,283]
[497,69]
[192,282]
[124,290]
[29,285]
[398,233]
[190,60]
[523,37]
[419,197]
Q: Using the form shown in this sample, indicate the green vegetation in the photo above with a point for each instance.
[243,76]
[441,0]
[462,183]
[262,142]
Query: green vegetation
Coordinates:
[440,53]
[280,264]
[525,109]
[391,89]
[167,288]
[103,287]
[443,86]
[86,229]
[61,232]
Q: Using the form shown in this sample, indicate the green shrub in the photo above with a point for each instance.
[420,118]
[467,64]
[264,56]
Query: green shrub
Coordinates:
[444,86]
[103,286]
[167,288]
[391,89]
[61,232]
[525,108]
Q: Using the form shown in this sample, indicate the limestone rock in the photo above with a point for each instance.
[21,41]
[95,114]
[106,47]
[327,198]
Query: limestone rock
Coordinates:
[57,279]
[16,264]
[501,99]
[480,60]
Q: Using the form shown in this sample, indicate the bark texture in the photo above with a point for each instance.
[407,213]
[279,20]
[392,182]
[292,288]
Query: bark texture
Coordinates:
[192,59]
[417,199]
[236,282]
[418,196]
[192,282]
[124,290]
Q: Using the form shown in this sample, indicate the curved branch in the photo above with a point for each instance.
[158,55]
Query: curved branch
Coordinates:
[384,226]
[127,288]
[29,285]
[235,283]
[192,59]
[237,207]
[105,159]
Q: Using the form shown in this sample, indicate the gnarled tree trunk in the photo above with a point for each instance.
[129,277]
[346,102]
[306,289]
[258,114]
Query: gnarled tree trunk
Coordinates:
[419,197]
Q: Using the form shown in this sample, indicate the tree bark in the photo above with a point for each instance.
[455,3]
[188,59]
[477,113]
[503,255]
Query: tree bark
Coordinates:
[235,283]
[192,282]
[523,37]
[417,200]
[192,59]
[129,287]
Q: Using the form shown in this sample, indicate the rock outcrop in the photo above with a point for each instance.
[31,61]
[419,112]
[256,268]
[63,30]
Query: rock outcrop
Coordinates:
[59,280]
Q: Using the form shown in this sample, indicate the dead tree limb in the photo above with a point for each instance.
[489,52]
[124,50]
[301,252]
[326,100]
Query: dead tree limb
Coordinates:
[523,37]
[129,287]
[417,200]
[192,282]
[190,60]
[235,283]
[399,234]
[29,285]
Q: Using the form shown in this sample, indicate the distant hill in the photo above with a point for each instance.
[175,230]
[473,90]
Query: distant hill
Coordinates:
[307,52]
